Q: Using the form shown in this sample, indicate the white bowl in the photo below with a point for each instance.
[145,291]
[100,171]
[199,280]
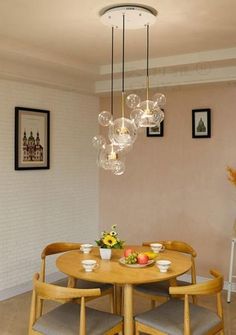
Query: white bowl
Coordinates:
[163,265]
[156,247]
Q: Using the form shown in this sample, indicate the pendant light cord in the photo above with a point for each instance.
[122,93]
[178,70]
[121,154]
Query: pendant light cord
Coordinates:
[147,73]
[112,70]
[123,70]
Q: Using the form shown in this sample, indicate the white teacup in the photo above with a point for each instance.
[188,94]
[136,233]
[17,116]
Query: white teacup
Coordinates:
[86,248]
[163,265]
[89,265]
[156,247]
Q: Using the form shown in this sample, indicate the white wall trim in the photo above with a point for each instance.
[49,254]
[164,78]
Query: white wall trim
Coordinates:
[176,60]
[27,286]
[178,78]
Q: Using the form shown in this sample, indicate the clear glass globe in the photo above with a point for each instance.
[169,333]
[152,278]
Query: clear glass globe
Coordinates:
[118,168]
[104,118]
[159,99]
[122,132]
[152,118]
[136,115]
[132,100]
[146,106]
[108,156]
[98,141]
[159,115]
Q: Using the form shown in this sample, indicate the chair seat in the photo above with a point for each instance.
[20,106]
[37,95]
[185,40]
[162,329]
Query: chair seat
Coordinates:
[64,320]
[85,284]
[158,288]
[168,318]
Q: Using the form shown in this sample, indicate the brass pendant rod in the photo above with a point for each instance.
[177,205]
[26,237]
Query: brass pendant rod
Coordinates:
[147,70]
[112,70]
[123,70]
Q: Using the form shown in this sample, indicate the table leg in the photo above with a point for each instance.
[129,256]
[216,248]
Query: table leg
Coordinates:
[128,310]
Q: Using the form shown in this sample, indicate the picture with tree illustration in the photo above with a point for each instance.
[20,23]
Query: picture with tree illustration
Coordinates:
[201,123]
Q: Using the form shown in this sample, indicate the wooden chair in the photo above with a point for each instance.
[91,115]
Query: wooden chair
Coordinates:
[69,318]
[159,291]
[59,247]
[178,317]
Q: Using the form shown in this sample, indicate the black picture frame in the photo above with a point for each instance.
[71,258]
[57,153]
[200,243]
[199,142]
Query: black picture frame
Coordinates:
[32,139]
[201,123]
[156,131]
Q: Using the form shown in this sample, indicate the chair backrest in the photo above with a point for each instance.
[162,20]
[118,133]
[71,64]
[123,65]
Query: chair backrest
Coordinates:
[213,286]
[43,291]
[52,249]
[183,247]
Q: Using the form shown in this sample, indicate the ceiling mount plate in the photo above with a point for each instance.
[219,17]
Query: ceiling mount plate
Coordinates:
[136,16]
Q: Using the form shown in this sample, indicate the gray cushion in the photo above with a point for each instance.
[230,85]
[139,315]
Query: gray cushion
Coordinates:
[158,288]
[169,318]
[64,320]
[84,284]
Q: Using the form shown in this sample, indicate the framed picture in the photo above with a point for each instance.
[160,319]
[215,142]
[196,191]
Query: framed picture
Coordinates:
[32,139]
[156,131]
[201,123]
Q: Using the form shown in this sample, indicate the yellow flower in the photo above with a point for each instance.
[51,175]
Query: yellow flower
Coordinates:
[109,240]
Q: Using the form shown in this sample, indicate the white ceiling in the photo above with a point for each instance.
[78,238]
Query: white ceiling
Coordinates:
[69,32]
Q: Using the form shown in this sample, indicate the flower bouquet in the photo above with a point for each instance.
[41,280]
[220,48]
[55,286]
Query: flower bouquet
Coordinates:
[108,241]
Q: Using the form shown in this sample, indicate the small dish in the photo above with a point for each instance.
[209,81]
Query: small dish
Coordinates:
[122,262]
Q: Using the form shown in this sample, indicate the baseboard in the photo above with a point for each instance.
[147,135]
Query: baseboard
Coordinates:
[27,286]
[201,279]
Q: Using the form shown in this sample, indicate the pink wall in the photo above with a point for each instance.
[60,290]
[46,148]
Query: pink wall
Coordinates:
[176,187]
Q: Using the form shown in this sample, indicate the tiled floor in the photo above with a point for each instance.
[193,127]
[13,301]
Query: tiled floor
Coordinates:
[14,313]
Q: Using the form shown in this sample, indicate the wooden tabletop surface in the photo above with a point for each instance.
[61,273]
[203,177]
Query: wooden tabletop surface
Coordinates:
[111,271]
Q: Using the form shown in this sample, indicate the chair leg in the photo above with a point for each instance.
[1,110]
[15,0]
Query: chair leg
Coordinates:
[153,304]
[113,301]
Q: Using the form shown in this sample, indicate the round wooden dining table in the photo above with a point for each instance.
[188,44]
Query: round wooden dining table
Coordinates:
[113,272]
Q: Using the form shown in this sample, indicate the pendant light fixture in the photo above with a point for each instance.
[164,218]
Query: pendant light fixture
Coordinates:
[147,113]
[122,132]
[110,156]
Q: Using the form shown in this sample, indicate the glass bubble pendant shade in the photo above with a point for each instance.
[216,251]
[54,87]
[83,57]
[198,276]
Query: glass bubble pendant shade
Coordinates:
[110,157]
[122,132]
[147,113]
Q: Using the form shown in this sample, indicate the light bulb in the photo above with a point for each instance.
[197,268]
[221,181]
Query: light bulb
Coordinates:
[98,141]
[132,100]
[146,106]
[159,99]
[118,168]
[122,132]
[151,115]
[104,118]
[108,156]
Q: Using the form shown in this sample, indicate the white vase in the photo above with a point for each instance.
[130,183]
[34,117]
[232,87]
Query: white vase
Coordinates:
[105,253]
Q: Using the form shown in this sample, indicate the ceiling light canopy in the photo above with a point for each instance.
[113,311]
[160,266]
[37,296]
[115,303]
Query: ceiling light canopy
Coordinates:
[122,131]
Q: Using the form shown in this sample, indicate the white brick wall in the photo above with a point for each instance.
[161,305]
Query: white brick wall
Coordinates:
[39,207]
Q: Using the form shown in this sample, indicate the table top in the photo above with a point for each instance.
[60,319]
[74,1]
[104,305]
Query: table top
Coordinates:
[111,271]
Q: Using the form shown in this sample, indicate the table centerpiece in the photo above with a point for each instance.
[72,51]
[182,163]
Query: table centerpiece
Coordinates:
[109,241]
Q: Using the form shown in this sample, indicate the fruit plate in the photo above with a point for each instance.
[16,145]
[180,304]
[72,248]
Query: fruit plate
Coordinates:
[122,262]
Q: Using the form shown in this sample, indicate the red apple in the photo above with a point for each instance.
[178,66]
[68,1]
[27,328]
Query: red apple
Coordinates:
[143,259]
[127,252]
